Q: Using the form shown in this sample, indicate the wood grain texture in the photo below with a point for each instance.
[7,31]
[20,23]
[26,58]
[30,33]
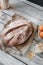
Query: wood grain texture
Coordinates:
[6,59]
[31,13]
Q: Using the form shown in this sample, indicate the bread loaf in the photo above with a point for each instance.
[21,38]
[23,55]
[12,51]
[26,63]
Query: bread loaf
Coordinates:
[17,32]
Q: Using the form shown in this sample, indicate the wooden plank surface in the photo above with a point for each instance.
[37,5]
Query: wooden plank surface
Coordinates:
[6,59]
[33,14]
[26,10]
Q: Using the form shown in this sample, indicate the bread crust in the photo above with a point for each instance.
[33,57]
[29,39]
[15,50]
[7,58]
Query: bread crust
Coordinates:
[17,32]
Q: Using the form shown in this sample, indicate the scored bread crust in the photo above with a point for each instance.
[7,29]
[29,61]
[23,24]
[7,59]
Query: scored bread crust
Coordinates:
[17,32]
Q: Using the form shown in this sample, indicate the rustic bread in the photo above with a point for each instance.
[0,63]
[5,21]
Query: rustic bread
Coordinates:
[17,32]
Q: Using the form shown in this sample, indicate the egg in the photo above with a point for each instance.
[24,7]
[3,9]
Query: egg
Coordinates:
[41,34]
[41,27]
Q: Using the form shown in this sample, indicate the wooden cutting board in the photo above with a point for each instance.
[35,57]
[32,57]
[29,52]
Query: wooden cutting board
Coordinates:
[23,48]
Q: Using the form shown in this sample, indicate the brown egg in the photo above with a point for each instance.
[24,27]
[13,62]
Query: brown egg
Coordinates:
[41,27]
[41,34]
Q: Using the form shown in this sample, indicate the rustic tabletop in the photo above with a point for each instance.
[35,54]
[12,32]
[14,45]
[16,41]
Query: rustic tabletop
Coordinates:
[31,13]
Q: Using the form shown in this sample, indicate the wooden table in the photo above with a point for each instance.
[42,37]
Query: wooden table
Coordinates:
[31,13]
